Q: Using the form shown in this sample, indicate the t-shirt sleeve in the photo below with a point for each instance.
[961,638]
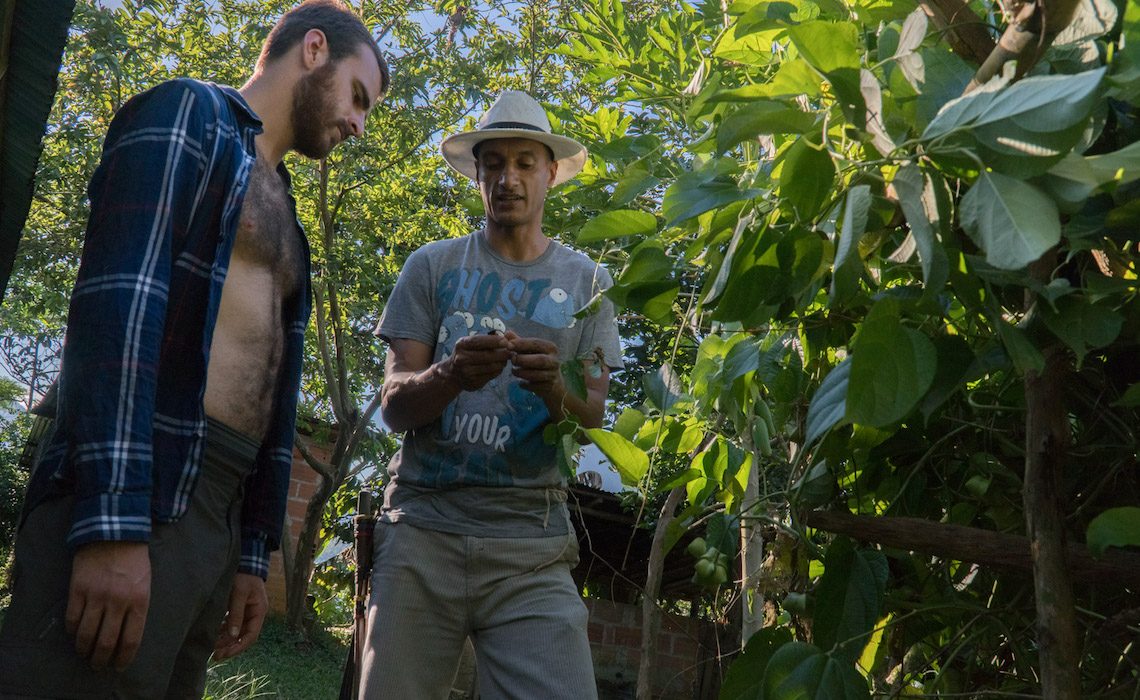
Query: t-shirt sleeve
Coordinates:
[410,311]
[599,329]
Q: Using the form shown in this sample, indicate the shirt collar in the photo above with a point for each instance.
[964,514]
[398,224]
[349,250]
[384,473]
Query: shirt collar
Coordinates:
[242,109]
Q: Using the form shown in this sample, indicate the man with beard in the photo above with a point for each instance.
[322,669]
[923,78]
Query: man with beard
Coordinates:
[156,500]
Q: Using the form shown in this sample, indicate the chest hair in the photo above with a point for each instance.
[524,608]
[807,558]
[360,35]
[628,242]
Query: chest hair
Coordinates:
[268,236]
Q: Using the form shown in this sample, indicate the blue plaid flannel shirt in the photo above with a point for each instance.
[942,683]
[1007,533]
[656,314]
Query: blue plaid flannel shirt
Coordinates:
[130,423]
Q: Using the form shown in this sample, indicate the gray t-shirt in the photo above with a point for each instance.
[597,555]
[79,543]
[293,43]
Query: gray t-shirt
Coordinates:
[483,467]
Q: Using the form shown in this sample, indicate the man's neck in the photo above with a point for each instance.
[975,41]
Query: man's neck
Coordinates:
[272,101]
[516,243]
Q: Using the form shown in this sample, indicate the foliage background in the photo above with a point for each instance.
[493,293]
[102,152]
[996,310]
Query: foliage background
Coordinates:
[826,270]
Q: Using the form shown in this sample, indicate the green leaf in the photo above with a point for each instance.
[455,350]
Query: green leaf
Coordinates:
[574,377]
[1119,167]
[1025,355]
[746,674]
[891,368]
[829,405]
[1014,222]
[631,463]
[1130,398]
[807,178]
[848,263]
[793,78]
[629,422]
[1082,325]
[1115,527]
[799,671]
[1022,129]
[920,207]
[615,224]
[760,117]
[848,600]
[662,388]
[912,34]
[699,191]
[828,46]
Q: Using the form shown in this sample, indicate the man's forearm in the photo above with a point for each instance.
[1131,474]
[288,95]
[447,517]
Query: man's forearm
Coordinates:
[414,399]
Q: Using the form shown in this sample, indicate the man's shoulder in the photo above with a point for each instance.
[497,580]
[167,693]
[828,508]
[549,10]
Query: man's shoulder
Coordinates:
[209,102]
[571,261]
[443,247]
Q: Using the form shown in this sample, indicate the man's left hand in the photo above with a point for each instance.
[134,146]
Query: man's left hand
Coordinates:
[535,362]
[248,606]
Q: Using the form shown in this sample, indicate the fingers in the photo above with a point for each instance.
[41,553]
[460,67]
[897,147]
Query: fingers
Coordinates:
[242,624]
[533,346]
[107,601]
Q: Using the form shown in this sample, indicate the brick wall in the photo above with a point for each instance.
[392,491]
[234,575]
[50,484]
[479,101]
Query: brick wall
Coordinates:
[615,639]
[301,488]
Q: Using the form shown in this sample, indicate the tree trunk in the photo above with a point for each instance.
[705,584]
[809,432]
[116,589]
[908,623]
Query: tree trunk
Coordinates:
[1032,29]
[297,582]
[751,555]
[1046,437]
[650,616]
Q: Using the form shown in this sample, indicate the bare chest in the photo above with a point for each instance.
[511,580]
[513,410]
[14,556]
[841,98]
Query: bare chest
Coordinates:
[267,236]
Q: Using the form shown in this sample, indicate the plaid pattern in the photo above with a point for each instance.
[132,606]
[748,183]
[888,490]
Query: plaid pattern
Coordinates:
[165,203]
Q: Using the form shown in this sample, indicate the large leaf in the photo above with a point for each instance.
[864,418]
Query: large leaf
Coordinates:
[807,178]
[848,600]
[662,388]
[760,117]
[1022,129]
[1115,527]
[631,462]
[891,368]
[799,671]
[615,224]
[1013,221]
[646,284]
[1082,325]
[699,191]
[1119,167]
[919,203]
[829,405]
[1021,350]
[848,263]
[746,674]
[828,46]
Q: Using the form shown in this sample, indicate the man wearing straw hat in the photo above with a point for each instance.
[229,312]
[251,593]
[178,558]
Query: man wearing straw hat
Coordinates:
[475,539]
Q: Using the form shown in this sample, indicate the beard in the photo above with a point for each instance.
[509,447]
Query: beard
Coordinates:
[312,98]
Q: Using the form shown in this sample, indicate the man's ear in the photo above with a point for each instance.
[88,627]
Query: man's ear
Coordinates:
[314,49]
[553,173]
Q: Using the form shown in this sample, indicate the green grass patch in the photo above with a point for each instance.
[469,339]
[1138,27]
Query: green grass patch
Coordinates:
[284,665]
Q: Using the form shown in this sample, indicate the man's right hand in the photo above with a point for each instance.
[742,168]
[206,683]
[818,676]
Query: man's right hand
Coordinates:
[478,359]
[108,601]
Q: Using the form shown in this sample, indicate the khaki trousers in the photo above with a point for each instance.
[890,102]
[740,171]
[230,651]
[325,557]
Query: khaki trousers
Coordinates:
[513,597]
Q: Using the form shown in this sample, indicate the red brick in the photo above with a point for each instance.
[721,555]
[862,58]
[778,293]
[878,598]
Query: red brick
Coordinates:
[596,632]
[627,637]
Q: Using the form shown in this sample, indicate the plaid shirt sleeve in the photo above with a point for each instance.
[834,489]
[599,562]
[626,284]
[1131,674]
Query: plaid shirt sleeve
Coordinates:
[143,195]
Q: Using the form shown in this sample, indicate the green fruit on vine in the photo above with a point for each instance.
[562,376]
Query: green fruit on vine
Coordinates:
[720,574]
[697,547]
[705,569]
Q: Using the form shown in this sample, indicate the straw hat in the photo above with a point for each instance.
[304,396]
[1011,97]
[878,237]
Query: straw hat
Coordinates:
[514,115]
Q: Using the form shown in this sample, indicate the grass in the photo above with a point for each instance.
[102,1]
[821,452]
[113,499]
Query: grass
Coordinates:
[283,665]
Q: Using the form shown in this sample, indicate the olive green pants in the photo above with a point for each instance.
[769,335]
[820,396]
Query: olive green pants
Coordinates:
[193,562]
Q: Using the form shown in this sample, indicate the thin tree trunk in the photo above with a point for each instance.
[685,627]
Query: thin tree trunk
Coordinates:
[650,616]
[1046,439]
[1032,29]
[751,555]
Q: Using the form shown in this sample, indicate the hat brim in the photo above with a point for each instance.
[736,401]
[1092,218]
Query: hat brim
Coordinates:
[457,150]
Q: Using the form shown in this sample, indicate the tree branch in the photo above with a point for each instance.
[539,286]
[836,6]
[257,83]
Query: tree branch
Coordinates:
[993,550]
[650,616]
[967,34]
[1032,28]
[323,468]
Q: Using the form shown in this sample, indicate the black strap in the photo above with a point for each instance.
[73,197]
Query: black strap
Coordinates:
[513,125]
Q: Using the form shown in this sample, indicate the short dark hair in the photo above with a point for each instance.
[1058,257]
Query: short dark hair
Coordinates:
[343,29]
